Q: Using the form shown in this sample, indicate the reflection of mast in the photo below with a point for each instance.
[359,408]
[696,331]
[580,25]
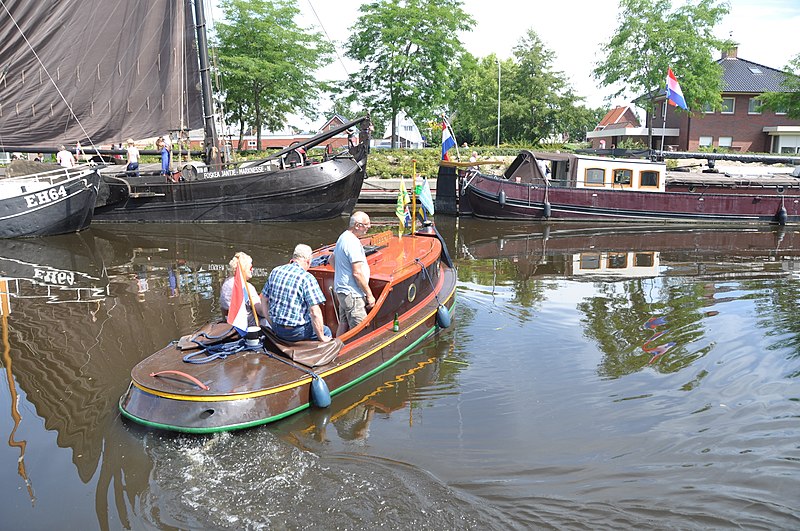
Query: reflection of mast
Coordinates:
[5,309]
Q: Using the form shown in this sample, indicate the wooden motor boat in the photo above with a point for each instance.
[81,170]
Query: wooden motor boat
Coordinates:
[244,382]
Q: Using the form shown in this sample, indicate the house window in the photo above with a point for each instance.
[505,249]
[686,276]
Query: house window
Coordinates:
[753,106]
[728,105]
[705,141]
[708,108]
[648,178]
[725,141]
[781,109]
[595,176]
[251,143]
[623,177]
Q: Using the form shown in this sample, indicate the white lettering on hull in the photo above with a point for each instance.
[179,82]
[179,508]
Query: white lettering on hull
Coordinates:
[45,196]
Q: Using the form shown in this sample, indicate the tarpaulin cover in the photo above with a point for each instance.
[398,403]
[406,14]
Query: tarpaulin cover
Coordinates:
[127,68]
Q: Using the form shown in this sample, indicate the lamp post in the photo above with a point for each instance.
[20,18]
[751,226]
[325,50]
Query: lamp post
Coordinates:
[498,101]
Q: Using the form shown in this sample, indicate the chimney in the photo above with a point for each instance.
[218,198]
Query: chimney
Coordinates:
[731,53]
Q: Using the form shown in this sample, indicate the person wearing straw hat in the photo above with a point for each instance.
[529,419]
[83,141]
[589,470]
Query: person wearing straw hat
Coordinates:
[132,169]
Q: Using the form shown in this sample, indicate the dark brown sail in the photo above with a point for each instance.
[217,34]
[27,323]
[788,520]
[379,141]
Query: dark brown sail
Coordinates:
[126,68]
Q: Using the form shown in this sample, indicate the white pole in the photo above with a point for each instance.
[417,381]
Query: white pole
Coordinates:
[498,101]
[664,125]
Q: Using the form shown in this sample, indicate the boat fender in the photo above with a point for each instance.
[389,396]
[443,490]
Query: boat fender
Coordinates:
[501,198]
[320,395]
[782,216]
[547,209]
[443,317]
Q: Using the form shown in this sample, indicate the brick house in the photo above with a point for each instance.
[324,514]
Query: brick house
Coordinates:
[618,124]
[739,126]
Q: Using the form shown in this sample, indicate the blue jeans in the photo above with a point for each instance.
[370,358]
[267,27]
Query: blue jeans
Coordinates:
[132,169]
[298,333]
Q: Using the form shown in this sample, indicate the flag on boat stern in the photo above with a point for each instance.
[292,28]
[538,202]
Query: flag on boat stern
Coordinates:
[425,197]
[674,93]
[401,210]
[237,313]
[448,141]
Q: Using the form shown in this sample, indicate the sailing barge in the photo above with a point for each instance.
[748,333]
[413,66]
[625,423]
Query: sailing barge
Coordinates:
[567,187]
[263,380]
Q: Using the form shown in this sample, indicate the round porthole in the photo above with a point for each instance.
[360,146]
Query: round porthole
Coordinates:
[781,189]
[412,292]
[691,188]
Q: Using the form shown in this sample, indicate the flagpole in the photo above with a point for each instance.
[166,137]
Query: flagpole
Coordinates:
[664,122]
[413,196]
[450,128]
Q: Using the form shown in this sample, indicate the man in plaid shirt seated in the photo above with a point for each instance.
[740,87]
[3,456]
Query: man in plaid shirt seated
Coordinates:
[293,297]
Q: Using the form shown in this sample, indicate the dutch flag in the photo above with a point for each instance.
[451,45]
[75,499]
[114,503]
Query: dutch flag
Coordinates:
[237,313]
[674,93]
[448,141]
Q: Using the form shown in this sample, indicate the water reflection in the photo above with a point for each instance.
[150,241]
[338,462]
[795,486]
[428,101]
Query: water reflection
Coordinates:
[535,409]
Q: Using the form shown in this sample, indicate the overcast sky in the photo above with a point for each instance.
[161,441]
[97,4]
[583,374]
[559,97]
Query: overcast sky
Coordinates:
[574,30]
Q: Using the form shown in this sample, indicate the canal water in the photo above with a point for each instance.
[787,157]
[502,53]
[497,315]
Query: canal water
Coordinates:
[613,377]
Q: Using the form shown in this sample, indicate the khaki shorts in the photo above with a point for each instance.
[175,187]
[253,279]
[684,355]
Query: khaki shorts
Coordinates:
[352,309]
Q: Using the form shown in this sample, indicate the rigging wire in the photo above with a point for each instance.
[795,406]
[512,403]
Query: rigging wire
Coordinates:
[53,81]
[335,48]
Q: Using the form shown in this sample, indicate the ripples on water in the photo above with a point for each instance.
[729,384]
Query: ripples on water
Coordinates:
[662,395]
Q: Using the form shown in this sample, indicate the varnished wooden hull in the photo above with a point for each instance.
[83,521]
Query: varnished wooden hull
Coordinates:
[252,388]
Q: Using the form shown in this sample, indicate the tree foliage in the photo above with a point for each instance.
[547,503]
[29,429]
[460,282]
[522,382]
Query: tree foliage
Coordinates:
[652,37]
[267,62]
[536,100]
[406,49]
[788,101]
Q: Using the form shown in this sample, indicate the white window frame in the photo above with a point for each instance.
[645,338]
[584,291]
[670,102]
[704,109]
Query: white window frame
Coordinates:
[708,108]
[710,140]
[251,144]
[752,106]
[725,142]
[733,106]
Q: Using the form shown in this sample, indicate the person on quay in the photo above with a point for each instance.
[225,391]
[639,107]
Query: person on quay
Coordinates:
[165,154]
[132,168]
[293,297]
[226,292]
[351,274]
[65,158]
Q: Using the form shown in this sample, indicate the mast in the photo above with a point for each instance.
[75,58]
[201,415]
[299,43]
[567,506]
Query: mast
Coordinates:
[211,147]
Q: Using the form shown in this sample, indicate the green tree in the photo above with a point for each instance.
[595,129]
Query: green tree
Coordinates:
[536,97]
[652,37]
[473,104]
[788,101]
[406,49]
[267,62]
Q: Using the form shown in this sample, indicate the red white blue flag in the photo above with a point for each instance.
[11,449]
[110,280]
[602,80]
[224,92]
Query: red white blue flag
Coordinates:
[674,93]
[448,141]
[237,313]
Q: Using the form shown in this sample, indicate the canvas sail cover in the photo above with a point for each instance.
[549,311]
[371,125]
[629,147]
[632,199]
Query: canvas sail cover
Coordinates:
[126,68]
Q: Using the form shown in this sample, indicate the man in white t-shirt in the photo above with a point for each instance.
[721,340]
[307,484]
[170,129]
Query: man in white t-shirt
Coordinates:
[351,274]
[65,158]
[132,168]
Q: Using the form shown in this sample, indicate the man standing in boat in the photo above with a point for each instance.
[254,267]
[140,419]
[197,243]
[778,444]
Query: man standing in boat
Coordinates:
[293,297]
[351,274]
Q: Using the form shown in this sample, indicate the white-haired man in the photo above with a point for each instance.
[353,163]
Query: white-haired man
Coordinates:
[293,297]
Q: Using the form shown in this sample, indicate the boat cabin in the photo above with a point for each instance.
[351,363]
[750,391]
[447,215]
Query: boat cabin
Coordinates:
[567,170]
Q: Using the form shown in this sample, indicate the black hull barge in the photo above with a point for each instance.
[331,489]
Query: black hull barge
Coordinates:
[48,202]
